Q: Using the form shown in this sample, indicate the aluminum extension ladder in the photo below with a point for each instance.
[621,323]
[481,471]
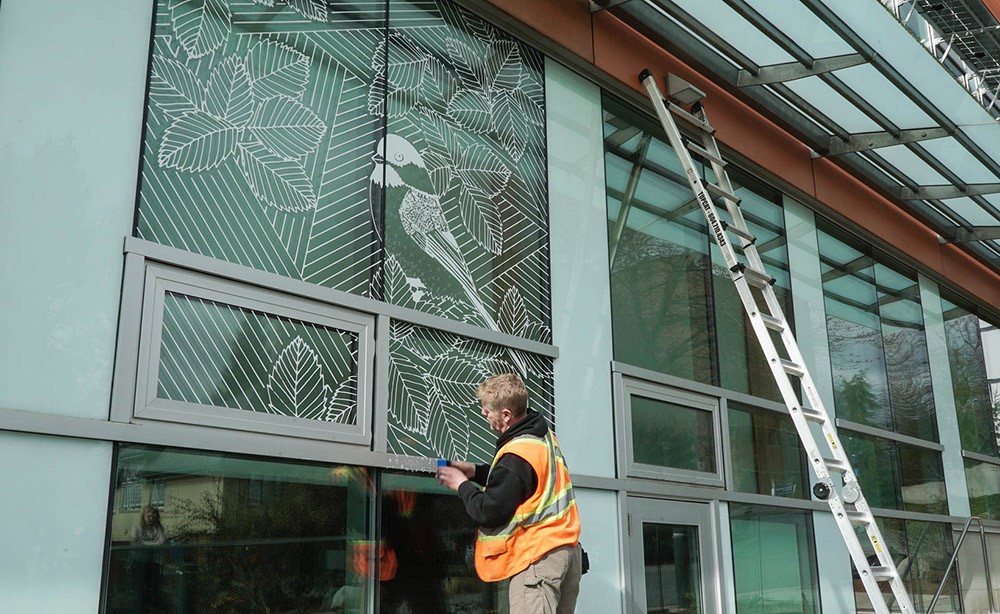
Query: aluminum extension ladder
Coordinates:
[849,507]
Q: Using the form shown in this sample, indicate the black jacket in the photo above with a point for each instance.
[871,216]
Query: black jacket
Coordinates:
[510,483]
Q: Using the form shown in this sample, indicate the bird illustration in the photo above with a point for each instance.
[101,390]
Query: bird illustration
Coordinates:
[429,253]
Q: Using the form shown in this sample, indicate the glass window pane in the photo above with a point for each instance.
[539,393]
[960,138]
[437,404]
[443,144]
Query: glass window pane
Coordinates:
[462,197]
[429,538]
[660,265]
[742,366]
[984,488]
[672,568]
[667,434]
[767,455]
[906,360]
[861,389]
[975,402]
[922,478]
[876,466]
[247,534]
[433,375]
[773,560]
[225,356]
[259,137]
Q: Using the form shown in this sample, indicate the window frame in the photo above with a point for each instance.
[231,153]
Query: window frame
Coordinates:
[625,386]
[160,279]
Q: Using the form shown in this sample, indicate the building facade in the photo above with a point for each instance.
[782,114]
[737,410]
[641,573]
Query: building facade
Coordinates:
[257,255]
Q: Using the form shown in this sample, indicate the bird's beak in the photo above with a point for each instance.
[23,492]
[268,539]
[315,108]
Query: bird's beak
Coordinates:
[378,159]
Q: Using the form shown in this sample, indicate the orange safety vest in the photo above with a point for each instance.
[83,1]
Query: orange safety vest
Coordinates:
[546,520]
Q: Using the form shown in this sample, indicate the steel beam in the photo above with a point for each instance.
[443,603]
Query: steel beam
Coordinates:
[863,141]
[790,71]
[976,233]
[942,192]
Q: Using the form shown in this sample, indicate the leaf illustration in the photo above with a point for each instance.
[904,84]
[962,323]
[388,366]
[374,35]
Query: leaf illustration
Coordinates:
[282,184]
[468,63]
[440,136]
[295,386]
[439,169]
[480,29]
[228,93]
[264,2]
[288,128]
[406,63]
[513,319]
[510,123]
[200,25]
[376,96]
[456,376]
[408,393]
[530,108]
[536,331]
[398,290]
[481,218]
[277,70]
[481,169]
[310,9]
[343,405]
[197,142]
[503,65]
[174,87]
[438,85]
[448,430]
[471,110]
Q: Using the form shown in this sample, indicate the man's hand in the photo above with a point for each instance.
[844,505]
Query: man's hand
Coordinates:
[452,477]
[467,468]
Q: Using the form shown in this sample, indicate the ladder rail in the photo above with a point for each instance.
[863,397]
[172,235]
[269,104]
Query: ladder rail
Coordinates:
[753,274]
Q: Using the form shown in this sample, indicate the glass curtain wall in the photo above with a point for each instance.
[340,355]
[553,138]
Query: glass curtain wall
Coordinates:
[774,560]
[674,308]
[974,356]
[881,373]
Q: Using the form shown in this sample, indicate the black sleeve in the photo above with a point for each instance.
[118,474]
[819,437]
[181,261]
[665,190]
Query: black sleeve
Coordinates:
[510,484]
[482,472]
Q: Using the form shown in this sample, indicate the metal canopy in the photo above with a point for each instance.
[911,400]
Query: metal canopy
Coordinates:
[851,80]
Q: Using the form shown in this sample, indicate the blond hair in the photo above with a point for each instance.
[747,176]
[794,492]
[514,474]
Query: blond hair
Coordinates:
[504,391]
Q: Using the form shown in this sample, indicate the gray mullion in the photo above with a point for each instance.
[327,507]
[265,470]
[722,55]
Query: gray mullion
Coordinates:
[864,429]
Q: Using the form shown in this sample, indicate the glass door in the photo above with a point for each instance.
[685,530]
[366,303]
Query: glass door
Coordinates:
[673,558]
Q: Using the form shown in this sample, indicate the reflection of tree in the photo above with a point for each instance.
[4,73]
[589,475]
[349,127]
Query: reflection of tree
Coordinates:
[264,551]
[910,392]
[661,295]
[977,417]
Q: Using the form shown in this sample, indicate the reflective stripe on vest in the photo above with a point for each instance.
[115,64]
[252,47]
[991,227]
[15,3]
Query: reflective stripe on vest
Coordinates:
[546,520]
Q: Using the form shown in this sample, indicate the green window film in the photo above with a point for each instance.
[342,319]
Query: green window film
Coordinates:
[767,457]
[433,375]
[672,568]
[220,355]
[975,382]
[463,199]
[666,434]
[983,480]
[895,475]
[773,560]
[660,267]
[236,534]
[878,349]
[394,150]
[920,551]
[430,538]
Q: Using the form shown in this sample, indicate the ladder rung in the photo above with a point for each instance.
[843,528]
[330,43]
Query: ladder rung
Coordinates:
[739,232]
[718,192]
[772,322]
[690,118]
[754,277]
[792,368]
[883,574]
[704,153]
[859,519]
[814,414]
[833,464]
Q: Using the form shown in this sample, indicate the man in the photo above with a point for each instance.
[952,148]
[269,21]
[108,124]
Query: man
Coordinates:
[529,526]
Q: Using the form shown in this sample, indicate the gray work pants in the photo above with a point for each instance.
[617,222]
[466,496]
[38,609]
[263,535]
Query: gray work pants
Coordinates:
[549,586]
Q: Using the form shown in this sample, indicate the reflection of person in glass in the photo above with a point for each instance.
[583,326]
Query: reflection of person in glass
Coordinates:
[146,561]
[529,526]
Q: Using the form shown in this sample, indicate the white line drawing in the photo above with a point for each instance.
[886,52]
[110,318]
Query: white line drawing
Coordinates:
[295,386]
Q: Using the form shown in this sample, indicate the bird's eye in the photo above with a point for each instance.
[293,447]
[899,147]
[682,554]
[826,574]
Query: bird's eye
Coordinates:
[398,157]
